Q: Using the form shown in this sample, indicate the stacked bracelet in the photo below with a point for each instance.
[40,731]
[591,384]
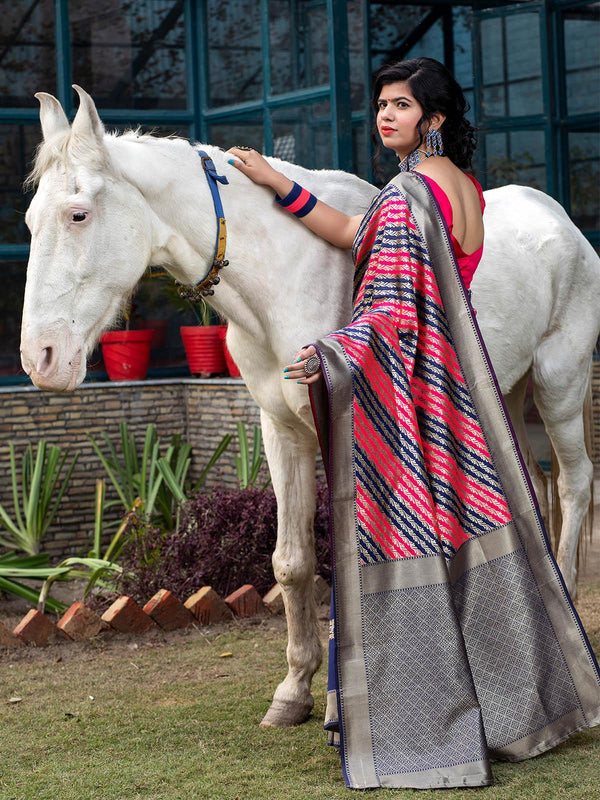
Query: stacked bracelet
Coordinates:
[298,202]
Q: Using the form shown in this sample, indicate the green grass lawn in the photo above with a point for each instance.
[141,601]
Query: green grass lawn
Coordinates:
[172,720]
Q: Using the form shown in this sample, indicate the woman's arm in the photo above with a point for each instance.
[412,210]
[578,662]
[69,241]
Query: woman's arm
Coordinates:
[327,222]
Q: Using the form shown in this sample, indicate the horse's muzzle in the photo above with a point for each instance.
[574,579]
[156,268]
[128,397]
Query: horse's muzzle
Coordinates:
[55,360]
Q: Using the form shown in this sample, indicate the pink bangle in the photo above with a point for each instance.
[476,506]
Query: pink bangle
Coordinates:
[299,201]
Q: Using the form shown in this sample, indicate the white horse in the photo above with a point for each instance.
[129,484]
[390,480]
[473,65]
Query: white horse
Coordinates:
[108,206]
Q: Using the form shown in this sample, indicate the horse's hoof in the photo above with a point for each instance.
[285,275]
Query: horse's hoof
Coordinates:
[285,713]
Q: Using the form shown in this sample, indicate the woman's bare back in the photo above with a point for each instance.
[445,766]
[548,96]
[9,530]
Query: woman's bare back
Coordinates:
[467,225]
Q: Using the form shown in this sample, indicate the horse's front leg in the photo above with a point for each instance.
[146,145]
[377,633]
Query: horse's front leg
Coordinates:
[291,451]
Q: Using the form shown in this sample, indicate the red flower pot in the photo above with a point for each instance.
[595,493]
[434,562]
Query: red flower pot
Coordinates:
[204,349]
[126,354]
[231,365]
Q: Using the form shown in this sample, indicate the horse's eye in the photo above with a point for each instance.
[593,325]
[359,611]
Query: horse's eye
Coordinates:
[79,216]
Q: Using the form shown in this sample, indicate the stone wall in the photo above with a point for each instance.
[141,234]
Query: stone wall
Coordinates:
[201,410]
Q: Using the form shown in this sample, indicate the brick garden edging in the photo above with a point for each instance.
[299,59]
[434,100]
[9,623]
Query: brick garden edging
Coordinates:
[163,611]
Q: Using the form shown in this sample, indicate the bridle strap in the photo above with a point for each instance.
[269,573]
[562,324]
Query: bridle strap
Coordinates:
[204,287]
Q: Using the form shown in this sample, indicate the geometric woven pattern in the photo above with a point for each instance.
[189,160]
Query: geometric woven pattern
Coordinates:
[425,480]
[520,674]
[423,709]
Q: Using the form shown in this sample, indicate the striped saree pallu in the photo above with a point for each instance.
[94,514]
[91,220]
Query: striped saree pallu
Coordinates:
[453,637]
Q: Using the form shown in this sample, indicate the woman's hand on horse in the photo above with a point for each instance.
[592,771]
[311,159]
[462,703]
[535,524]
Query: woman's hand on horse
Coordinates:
[259,170]
[295,370]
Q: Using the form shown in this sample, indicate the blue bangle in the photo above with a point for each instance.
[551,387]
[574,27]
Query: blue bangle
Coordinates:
[298,201]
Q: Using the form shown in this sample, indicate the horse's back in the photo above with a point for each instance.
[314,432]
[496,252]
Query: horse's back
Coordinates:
[535,279]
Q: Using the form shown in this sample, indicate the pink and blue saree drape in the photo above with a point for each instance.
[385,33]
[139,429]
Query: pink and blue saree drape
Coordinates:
[454,639]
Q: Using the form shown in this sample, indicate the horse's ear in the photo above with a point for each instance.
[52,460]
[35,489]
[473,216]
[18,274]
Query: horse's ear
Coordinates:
[52,117]
[87,123]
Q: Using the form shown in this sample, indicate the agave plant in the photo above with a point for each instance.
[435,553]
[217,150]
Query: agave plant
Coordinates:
[15,568]
[158,481]
[94,565]
[248,465]
[37,492]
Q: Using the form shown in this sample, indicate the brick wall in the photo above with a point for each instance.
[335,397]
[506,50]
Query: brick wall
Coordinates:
[201,410]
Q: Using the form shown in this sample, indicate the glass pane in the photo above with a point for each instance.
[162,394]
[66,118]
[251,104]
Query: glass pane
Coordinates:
[360,151]
[246,131]
[156,305]
[582,58]
[584,177]
[299,47]
[431,44]
[302,135]
[130,54]
[28,58]
[389,25]
[359,93]
[516,157]
[17,147]
[511,56]
[13,288]
[234,51]
[462,21]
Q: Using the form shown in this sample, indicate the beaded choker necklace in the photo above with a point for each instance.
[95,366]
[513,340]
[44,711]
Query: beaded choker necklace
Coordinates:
[412,159]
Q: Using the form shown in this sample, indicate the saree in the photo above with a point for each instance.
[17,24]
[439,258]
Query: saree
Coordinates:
[453,640]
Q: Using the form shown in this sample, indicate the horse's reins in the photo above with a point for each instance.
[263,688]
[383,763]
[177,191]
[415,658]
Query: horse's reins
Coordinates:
[204,287]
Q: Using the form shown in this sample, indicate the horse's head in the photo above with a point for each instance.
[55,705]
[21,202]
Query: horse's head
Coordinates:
[91,236]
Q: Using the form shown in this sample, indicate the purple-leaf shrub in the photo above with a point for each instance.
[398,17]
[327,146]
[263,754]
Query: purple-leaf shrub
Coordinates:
[225,539]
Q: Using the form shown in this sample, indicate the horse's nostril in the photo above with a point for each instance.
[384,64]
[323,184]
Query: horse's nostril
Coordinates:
[44,361]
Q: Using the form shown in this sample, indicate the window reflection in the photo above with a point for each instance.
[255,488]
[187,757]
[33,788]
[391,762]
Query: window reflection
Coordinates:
[27,57]
[234,51]
[389,25]
[247,131]
[302,134]
[582,58]
[431,44]
[359,93]
[584,178]
[299,45]
[511,57]
[516,157]
[130,53]
[17,148]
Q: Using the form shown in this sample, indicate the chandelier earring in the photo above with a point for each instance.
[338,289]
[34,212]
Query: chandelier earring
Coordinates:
[433,142]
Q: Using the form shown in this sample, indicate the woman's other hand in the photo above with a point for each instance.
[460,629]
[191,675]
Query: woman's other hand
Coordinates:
[295,371]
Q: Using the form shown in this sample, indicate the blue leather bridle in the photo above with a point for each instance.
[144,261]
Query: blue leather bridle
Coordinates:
[204,287]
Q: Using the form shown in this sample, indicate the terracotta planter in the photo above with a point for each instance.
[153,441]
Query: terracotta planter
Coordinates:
[231,365]
[126,354]
[204,349]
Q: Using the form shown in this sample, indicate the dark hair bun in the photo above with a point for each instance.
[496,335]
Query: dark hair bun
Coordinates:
[435,90]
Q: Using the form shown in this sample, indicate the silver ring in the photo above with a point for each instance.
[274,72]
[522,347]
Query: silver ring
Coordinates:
[312,365]
[243,147]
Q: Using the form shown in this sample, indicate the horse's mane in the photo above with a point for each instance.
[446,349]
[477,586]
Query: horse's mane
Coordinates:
[58,148]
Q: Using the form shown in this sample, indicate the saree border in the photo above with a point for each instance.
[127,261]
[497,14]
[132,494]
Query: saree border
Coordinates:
[359,769]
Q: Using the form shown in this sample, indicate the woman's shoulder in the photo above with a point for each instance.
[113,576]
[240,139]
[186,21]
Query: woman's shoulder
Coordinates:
[455,182]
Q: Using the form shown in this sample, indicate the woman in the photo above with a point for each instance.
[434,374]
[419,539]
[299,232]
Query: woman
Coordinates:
[454,638]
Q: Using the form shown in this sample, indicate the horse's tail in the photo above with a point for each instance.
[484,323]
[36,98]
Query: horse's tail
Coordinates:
[587,524]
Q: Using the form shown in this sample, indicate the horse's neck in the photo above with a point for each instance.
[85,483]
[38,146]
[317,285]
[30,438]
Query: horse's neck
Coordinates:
[268,251]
